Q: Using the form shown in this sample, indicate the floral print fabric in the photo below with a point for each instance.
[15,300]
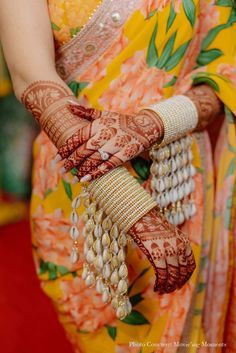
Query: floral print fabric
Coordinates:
[163,49]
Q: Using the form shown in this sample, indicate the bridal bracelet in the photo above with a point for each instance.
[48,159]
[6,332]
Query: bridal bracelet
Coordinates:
[116,201]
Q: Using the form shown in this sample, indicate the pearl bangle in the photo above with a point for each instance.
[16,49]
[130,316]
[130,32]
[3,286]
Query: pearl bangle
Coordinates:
[179,116]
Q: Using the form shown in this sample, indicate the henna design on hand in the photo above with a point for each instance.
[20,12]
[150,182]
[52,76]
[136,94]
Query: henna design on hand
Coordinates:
[167,249]
[48,102]
[207,103]
[122,137]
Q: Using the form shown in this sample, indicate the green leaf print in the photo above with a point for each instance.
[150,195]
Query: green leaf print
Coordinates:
[167,51]
[77,87]
[229,116]
[207,56]
[74,171]
[48,192]
[171,82]
[141,167]
[68,189]
[212,34]
[43,267]
[226,3]
[232,17]
[135,318]
[190,11]
[231,167]
[152,55]
[205,79]
[201,286]
[171,18]
[52,270]
[151,14]
[112,331]
[228,211]
[136,298]
[62,270]
[55,27]
[74,31]
[176,56]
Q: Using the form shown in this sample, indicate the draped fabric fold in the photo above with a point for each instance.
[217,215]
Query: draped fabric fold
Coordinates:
[159,48]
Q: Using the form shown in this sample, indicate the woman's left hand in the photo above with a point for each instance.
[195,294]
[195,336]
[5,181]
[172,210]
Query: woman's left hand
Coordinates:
[111,140]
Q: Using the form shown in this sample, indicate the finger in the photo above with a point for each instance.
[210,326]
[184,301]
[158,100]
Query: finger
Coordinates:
[87,149]
[92,162]
[183,264]
[160,267]
[190,261]
[102,169]
[85,113]
[78,138]
[172,265]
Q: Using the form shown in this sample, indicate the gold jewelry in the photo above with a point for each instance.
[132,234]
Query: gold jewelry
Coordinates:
[109,192]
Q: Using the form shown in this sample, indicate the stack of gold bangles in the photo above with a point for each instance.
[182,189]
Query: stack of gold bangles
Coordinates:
[116,201]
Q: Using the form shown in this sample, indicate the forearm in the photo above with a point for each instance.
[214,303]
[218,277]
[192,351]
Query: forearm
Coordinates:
[27,41]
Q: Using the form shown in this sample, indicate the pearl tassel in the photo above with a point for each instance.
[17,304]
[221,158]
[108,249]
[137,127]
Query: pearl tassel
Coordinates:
[172,180]
[104,252]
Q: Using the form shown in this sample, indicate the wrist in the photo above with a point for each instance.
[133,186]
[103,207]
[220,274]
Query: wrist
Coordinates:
[48,103]
[21,82]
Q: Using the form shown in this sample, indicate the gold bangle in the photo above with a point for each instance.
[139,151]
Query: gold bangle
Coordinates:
[121,197]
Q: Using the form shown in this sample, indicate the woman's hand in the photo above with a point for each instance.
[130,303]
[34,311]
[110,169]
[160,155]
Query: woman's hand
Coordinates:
[109,141]
[167,249]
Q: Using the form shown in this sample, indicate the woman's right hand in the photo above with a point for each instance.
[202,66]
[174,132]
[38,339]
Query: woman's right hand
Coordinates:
[168,250]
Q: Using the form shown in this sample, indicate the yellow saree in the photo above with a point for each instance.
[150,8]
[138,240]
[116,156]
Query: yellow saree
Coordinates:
[121,56]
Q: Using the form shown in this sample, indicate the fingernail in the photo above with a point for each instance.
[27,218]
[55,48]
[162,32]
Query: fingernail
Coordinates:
[75,180]
[63,170]
[71,101]
[87,177]
[57,158]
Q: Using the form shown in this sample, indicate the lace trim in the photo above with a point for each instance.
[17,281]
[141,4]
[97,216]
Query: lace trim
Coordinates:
[91,42]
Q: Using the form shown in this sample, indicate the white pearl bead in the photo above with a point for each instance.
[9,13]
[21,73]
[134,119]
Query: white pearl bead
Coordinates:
[193,209]
[114,247]
[90,257]
[173,165]
[122,287]
[74,232]
[98,246]
[98,231]
[192,185]
[74,256]
[98,262]
[89,240]
[90,280]
[120,312]
[114,277]
[105,296]
[123,271]
[192,170]
[185,174]
[174,195]
[106,271]
[180,176]
[76,202]
[74,217]
[181,217]
[85,272]
[180,193]
[99,285]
